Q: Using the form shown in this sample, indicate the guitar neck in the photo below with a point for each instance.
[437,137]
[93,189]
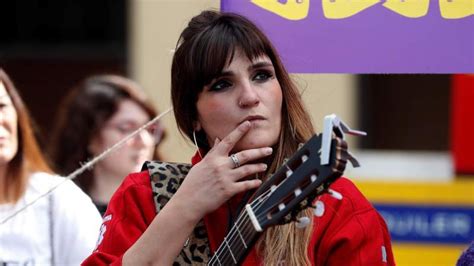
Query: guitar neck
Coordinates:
[237,243]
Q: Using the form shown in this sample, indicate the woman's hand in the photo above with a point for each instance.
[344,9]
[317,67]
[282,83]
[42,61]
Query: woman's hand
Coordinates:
[216,178]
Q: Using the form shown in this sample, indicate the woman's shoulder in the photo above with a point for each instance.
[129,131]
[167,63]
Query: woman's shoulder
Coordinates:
[41,182]
[140,180]
[59,185]
[64,192]
[133,198]
[136,187]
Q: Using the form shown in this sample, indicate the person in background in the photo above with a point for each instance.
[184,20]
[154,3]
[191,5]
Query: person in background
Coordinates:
[95,115]
[467,256]
[60,228]
[234,99]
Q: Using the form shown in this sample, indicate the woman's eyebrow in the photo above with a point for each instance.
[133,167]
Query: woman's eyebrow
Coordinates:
[260,65]
[225,73]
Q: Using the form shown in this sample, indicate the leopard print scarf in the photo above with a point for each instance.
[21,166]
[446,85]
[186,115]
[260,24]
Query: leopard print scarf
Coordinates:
[165,180]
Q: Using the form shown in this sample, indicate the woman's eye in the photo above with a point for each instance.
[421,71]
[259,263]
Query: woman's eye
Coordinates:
[263,76]
[220,85]
[123,130]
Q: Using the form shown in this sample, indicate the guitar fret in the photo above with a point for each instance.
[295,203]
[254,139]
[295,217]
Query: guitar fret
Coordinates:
[235,245]
[246,235]
[240,235]
[230,250]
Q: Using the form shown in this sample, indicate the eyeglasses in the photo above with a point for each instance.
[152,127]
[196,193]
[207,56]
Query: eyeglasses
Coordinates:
[155,131]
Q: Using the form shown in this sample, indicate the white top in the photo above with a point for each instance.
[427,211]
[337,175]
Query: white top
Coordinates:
[59,229]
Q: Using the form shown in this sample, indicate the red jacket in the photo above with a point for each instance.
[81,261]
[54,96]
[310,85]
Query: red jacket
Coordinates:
[350,231]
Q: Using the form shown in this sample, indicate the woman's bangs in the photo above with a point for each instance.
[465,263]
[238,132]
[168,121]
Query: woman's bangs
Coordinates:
[215,57]
[219,47]
[251,45]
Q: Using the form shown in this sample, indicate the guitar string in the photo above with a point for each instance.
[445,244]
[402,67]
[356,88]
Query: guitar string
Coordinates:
[257,208]
[247,233]
[87,165]
[231,234]
[237,224]
[220,250]
[256,203]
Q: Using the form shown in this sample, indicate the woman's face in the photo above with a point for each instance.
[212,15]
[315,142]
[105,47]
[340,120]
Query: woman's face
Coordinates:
[8,127]
[246,90]
[130,156]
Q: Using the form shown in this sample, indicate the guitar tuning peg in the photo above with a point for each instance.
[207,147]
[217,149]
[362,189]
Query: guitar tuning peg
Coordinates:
[304,158]
[302,222]
[352,159]
[318,208]
[335,194]
[287,219]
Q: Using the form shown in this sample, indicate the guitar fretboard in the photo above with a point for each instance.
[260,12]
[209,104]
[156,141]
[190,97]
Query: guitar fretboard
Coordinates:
[236,244]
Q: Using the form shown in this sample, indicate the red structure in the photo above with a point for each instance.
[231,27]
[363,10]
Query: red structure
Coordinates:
[462,123]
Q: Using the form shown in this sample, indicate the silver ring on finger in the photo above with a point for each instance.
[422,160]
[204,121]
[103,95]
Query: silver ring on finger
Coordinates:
[235,160]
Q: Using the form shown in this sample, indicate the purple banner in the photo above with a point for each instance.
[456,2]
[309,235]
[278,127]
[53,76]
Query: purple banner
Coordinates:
[370,36]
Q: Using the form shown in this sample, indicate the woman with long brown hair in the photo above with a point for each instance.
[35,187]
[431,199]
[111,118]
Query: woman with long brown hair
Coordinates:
[96,114]
[234,99]
[58,228]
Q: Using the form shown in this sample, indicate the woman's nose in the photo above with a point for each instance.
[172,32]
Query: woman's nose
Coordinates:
[248,96]
[143,139]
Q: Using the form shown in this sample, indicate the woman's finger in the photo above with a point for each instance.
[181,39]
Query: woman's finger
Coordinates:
[228,143]
[245,156]
[243,186]
[247,170]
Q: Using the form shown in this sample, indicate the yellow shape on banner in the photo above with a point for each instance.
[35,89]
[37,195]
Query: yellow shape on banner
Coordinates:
[408,8]
[292,10]
[452,9]
[337,9]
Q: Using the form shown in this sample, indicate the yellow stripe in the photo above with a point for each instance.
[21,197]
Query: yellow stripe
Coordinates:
[432,255]
[459,192]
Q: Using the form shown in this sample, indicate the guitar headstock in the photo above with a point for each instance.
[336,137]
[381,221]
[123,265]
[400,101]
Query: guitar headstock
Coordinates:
[307,174]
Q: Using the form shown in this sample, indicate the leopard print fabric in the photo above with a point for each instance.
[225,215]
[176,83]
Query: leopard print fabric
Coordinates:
[165,180]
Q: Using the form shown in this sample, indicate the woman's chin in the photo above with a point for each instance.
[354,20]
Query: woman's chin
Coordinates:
[6,156]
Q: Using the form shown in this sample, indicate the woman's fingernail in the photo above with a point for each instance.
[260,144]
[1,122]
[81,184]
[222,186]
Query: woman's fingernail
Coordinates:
[268,151]
[264,167]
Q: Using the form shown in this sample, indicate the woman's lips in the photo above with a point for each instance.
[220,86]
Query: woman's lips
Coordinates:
[253,118]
